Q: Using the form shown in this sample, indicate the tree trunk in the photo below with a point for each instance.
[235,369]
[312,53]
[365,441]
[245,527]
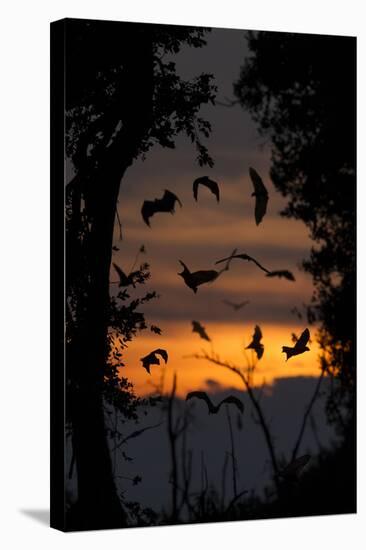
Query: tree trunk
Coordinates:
[98,502]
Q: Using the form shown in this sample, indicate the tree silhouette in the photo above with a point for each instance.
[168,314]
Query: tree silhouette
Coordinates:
[122,97]
[301,91]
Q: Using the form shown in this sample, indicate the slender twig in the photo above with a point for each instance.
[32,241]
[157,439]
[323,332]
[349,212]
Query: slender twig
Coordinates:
[306,415]
[223,481]
[233,461]
[235,499]
[173,450]
[262,421]
[119,225]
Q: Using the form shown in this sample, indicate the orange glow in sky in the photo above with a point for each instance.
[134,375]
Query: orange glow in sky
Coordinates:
[228,341]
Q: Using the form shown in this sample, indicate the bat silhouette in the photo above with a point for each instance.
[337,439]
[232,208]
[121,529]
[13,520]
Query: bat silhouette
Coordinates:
[155,329]
[165,204]
[281,273]
[210,184]
[197,327]
[294,468]
[299,347]
[152,359]
[243,257]
[214,409]
[126,280]
[197,278]
[236,307]
[256,342]
[261,196]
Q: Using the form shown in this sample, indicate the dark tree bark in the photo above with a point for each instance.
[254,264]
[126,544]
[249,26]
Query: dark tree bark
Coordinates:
[98,503]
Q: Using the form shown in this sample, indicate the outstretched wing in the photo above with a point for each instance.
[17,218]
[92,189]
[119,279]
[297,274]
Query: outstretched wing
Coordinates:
[210,184]
[261,196]
[303,340]
[257,336]
[123,279]
[148,209]
[260,208]
[163,353]
[229,303]
[167,203]
[151,358]
[197,327]
[259,187]
[244,257]
[282,273]
[234,400]
[201,395]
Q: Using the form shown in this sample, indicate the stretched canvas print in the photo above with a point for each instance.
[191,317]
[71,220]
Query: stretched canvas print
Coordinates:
[203,274]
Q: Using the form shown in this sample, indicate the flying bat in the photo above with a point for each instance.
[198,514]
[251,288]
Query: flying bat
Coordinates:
[210,184]
[236,307]
[244,257]
[165,204]
[294,468]
[197,278]
[261,196]
[299,347]
[281,273]
[214,409]
[197,327]
[125,280]
[256,342]
[152,359]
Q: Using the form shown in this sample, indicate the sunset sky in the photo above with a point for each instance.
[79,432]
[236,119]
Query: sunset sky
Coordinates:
[203,232]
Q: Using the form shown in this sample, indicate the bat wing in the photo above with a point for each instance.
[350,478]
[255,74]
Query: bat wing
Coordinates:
[149,360]
[201,277]
[303,340]
[184,266]
[259,187]
[228,303]
[283,273]
[163,353]
[167,203]
[148,209]
[235,401]
[260,208]
[197,327]
[201,395]
[251,259]
[243,257]
[213,187]
[257,336]
[123,279]
[195,187]
[242,304]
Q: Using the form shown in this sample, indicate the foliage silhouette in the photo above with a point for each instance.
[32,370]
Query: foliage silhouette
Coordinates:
[309,115]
